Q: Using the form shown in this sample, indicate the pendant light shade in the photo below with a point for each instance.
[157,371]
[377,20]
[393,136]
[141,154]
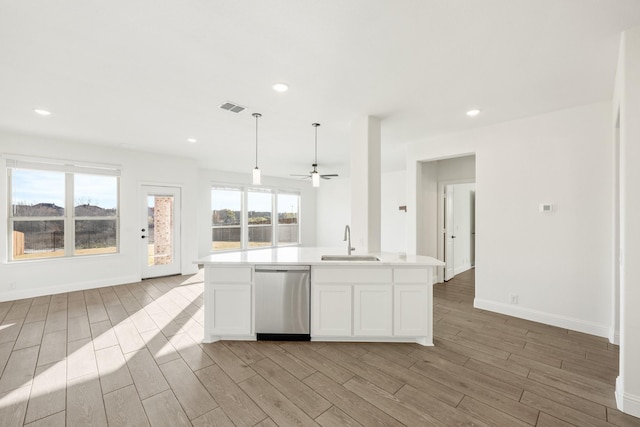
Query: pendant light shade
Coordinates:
[315,178]
[256,170]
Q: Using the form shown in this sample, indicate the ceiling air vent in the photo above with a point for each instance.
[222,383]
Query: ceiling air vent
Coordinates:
[234,108]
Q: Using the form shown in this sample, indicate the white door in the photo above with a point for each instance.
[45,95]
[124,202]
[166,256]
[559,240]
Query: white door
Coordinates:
[160,231]
[449,236]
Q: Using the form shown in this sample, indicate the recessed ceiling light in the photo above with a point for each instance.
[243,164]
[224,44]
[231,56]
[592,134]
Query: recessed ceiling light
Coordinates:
[192,140]
[280,87]
[473,113]
[42,112]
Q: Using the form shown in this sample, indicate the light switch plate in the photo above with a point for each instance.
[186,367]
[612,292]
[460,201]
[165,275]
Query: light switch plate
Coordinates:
[546,207]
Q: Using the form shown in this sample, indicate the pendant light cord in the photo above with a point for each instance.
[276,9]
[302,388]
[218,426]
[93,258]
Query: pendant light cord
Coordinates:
[257,115]
[315,164]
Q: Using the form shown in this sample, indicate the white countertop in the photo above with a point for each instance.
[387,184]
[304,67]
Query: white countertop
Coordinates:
[311,256]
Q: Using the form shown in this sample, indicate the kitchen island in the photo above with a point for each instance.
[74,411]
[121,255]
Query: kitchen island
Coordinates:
[385,300]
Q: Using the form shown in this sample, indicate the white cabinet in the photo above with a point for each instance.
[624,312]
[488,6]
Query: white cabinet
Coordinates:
[410,319]
[348,303]
[229,303]
[231,314]
[331,310]
[363,303]
[372,310]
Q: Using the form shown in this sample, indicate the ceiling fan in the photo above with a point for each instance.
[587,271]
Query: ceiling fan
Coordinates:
[314,174]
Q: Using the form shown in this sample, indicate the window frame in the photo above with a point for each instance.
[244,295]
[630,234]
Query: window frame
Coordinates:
[244,214]
[69,169]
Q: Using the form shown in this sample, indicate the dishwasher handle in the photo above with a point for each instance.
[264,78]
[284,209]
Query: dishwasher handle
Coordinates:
[281,268]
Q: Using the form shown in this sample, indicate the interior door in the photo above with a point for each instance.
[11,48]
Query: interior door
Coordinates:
[473,228]
[449,236]
[160,231]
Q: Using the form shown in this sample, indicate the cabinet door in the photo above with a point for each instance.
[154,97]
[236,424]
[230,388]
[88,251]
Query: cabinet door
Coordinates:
[231,314]
[331,310]
[411,309]
[372,306]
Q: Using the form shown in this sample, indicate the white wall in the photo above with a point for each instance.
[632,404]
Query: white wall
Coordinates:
[627,99]
[558,264]
[333,201]
[61,275]
[457,169]
[333,212]
[207,177]
[393,220]
[365,178]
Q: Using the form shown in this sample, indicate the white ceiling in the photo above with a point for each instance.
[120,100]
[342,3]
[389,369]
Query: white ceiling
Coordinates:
[149,74]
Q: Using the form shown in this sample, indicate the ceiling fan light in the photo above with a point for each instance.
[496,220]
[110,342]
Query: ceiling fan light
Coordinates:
[315,179]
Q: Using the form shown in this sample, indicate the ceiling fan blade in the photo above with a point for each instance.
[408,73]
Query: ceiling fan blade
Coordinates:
[329,175]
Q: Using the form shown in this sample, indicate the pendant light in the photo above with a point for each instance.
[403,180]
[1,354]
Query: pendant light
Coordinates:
[256,170]
[315,176]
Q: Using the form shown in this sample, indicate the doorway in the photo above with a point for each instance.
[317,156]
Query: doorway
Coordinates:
[432,178]
[160,249]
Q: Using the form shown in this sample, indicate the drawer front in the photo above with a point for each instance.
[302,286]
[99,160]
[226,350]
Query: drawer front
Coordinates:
[411,275]
[229,274]
[351,275]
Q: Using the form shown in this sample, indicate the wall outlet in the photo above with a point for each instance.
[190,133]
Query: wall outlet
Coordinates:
[12,285]
[513,298]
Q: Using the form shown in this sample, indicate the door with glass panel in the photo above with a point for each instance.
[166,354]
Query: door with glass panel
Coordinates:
[160,231]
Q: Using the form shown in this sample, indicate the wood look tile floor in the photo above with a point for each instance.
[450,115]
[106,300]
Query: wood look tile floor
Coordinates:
[131,355]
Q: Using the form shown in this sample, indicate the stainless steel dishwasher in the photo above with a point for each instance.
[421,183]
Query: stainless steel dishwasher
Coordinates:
[282,302]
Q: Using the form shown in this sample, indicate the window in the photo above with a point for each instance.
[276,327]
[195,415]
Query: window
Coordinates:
[226,205]
[259,210]
[245,218]
[95,209]
[288,231]
[58,212]
[37,204]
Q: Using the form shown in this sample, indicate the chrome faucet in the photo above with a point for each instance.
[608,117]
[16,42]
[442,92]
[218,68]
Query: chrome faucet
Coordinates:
[347,238]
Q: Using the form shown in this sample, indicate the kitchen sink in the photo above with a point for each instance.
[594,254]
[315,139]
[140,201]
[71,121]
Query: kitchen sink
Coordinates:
[349,258]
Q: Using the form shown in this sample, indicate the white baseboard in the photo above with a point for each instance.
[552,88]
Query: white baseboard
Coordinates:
[190,269]
[461,269]
[543,317]
[627,403]
[71,287]
[614,336]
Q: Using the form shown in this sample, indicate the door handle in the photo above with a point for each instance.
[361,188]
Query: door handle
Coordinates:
[143,237]
[453,237]
[143,230]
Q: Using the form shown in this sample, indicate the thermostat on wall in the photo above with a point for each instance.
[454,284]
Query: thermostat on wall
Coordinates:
[546,207]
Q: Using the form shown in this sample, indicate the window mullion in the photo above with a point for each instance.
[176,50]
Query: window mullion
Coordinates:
[274,218]
[10,212]
[245,218]
[69,213]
